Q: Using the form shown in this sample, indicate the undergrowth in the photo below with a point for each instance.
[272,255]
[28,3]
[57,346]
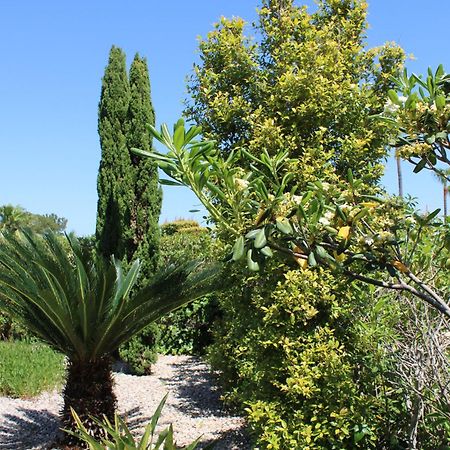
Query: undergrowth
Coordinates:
[27,369]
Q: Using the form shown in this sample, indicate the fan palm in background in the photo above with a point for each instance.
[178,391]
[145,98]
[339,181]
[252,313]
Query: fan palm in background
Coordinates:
[84,307]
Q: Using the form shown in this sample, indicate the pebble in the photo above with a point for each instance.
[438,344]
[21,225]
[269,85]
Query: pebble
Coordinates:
[193,407]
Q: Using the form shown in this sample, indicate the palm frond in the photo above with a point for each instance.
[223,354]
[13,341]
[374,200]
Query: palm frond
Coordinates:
[81,305]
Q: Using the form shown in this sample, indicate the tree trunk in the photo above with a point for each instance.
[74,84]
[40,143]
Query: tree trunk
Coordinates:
[445,200]
[399,176]
[89,391]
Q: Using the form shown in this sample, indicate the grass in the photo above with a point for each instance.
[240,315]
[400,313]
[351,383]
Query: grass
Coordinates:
[27,369]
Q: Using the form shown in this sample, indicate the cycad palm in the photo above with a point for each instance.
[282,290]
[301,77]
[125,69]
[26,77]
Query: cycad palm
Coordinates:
[82,307]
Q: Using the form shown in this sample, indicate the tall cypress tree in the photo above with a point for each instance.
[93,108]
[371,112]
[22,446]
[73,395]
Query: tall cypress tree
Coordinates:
[129,196]
[114,183]
[147,202]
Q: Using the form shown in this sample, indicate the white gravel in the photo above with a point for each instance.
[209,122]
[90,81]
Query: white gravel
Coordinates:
[193,407]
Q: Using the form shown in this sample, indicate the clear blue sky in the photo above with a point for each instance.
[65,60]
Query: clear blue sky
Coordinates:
[53,57]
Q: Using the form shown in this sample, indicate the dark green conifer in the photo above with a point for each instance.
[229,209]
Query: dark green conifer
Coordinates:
[147,202]
[129,196]
[115,179]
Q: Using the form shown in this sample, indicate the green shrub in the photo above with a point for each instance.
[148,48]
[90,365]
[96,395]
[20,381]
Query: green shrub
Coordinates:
[187,330]
[11,330]
[27,369]
[290,353]
[142,350]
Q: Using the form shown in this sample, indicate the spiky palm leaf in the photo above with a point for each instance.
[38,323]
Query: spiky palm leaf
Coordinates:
[84,307]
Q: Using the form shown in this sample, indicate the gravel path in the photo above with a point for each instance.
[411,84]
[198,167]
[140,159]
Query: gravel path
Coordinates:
[193,407]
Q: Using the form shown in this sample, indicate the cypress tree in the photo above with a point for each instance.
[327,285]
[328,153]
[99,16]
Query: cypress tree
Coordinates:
[147,202]
[129,196]
[114,183]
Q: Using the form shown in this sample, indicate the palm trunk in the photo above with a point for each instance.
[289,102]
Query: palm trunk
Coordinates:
[399,176]
[89,391]
[445,201]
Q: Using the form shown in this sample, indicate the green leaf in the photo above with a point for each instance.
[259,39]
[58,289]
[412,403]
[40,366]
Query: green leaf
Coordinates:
[420,165]
[267,251]
[284,226]
[260,239]
[238,249]
[440,101]
[439,71]
[340,213]
[430,139]
[432,215]
[166,182]
[178,136]
[312,260]
[321,252]
[252,265]
[361,214]
[393,96]
[350,176]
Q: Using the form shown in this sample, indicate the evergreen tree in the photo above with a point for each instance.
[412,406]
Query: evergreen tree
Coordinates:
[114,184]
[129,197]
[148,196]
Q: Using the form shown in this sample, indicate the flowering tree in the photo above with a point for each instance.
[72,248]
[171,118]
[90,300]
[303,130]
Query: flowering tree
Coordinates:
[370,238]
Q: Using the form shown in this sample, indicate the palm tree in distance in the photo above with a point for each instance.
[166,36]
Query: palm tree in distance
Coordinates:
[442,178]
[399,174]
[11,217]
[84,307]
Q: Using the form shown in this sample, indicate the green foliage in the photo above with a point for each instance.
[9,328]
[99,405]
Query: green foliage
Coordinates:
[293,352]
[119,437]
[187,330]
[16,217]
[85,307]
[305,85]
[141,351]
[129,197]
[113,208]
[144,227]
[27,369]
[82,306]
[129,202]
[292,106]
[11,329]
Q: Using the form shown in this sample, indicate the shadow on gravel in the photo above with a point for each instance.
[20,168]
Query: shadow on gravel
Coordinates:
[232,439]
[134,419]
[31,429]
[194,386]
[191,383]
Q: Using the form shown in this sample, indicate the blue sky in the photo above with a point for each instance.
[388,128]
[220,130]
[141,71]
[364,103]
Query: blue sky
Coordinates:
[53,56]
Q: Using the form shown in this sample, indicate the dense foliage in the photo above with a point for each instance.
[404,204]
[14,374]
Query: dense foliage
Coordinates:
[187,330]
[369,238]
[129,197]
[85,308]
[292,106]
[129,201]
[27,369]
[15,217]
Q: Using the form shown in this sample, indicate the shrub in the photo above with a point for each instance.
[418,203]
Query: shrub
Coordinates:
[290,352]
[10,329]
[187,330]
[142,350]
[27,369]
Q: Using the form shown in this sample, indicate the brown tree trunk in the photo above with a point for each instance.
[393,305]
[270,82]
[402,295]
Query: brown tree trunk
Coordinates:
[399,176]
[445,200]
[89,391]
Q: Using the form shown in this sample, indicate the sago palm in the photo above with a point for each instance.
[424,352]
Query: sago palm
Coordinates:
[84,307]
